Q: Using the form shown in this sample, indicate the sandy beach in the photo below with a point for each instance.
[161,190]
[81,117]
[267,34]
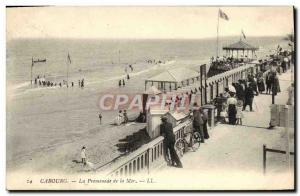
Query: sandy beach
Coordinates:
[70,111]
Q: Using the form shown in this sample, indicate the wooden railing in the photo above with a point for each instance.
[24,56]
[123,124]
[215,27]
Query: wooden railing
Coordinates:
[146,159]
[217,83]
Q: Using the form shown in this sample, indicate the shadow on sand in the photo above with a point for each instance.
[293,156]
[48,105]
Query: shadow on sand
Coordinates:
[133,142]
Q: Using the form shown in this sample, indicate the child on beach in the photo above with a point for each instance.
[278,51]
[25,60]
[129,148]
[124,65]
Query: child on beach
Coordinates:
[83,155]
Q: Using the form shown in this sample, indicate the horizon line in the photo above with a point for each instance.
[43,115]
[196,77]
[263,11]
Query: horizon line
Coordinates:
[141,38]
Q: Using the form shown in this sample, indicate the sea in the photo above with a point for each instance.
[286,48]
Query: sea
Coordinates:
[99,60]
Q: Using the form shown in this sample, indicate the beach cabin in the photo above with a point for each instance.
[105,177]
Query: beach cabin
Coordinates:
[175,118]
[154,121]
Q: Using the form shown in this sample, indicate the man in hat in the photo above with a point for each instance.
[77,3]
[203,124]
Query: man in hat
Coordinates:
[166,130]
[198,121]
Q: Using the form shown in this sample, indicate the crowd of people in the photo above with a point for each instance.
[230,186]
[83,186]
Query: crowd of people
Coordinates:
[235,100]
[42,82]
[219,65]
[153,61]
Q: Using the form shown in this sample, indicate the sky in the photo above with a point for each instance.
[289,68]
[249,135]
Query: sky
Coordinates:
[146,22]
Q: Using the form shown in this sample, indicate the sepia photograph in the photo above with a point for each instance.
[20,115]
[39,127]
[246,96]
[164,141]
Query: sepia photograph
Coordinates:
[166,98]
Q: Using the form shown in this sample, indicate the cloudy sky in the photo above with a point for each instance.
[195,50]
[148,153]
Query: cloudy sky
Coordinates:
[145,22]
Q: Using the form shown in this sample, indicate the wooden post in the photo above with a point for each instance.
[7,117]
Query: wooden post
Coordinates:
[264,159]
[286,110]
[148,161]
[31,72]
[217,93]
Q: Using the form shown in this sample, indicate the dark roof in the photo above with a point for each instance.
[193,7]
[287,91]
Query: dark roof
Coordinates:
[240,45]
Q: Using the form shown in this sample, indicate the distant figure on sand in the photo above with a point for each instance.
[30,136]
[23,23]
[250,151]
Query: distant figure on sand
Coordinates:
[72,84]
[79,83]
[123,82]
[100,118]
[82,83]
[120,83]
[119,118]
[125,116]
[131,67]
[83,155]
[128,77]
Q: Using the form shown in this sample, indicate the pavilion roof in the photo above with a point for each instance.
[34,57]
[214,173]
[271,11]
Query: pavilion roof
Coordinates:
[240,45]
[175,75]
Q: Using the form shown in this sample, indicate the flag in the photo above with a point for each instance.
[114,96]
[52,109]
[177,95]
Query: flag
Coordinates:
[37,61]
[223,15]
[69,58]
[243,34]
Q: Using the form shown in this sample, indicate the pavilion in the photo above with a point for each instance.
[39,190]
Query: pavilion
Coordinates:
[174,78]
[242,47]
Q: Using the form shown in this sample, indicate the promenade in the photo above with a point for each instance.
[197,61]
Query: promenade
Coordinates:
[233,156]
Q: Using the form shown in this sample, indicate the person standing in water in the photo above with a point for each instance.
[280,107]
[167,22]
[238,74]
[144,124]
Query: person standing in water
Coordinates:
[100,118]
[82,83]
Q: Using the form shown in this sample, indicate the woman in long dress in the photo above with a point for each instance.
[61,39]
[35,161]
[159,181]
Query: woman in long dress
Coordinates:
[260,84]
[231,102]
[204,117]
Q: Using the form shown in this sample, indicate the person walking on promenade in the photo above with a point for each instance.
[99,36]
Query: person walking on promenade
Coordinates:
[291,93]
[226,93]
[269,82]
[83,155]
[166,130]
[239,112]
[249,95]
[275,84]
[100,118]
[204,117]
[240,91]
[260,83]
[198,122]
[253,84]
[231,103]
